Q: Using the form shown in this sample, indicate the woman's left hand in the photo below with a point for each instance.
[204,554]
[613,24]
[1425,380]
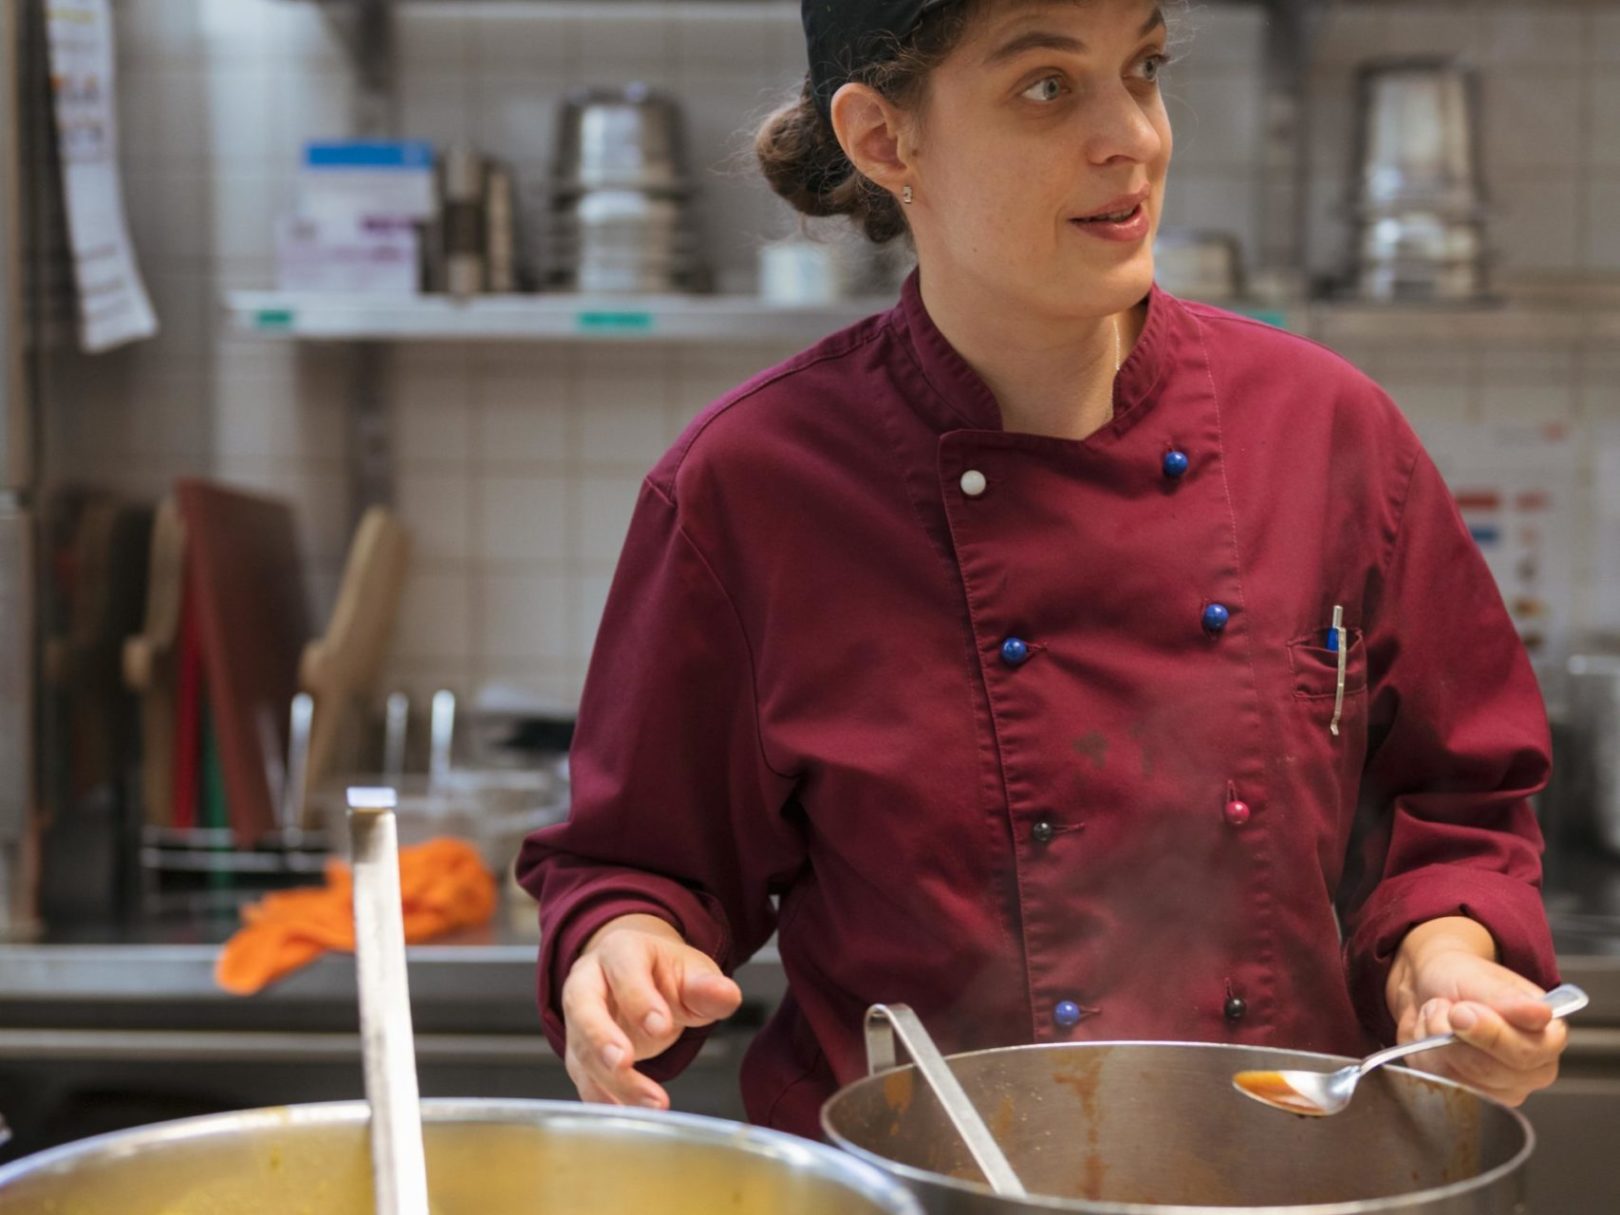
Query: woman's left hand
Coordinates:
[1445,979]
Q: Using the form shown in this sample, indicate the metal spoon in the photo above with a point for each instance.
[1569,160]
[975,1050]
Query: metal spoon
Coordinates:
[1319,1094]
[398,1162]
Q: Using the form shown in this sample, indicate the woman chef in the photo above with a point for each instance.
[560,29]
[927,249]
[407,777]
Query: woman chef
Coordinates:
[1063,659]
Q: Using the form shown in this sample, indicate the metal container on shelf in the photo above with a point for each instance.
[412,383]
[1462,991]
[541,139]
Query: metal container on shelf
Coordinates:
[620,214]
[1417,142]
[627,138]
[1418,205]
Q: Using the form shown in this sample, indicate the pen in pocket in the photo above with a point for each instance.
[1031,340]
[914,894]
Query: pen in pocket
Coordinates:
[1338,641]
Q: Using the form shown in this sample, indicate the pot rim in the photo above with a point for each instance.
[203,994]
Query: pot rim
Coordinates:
[1082,1206]
[865,1179]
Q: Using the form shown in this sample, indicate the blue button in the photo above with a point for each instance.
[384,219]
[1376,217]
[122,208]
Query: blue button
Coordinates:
[1215,617]
[1176,464]
[1014,651]
[1066,1014]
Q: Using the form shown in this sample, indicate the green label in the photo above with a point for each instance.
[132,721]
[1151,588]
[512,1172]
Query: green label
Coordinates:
[273,318]
[616,322]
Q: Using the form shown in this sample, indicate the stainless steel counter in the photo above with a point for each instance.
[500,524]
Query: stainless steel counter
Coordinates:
[485,978]
[149,986]
[174,959]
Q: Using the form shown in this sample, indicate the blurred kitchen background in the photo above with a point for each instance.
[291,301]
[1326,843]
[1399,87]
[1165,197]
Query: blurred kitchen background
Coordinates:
[529,340]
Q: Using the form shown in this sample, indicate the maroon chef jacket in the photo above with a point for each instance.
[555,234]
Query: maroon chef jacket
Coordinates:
[803,715]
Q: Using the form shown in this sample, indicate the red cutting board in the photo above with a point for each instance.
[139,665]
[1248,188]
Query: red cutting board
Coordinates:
[247,586]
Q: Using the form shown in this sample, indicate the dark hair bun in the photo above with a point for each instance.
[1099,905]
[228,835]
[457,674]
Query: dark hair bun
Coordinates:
[805,164]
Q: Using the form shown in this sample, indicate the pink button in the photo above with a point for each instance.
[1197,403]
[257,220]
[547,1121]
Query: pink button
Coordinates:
[1237,812]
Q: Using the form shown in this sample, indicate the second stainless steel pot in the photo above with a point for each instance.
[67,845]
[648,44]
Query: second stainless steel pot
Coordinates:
[1134,1128]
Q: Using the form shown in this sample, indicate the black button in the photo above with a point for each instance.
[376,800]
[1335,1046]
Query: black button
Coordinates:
[1043,831]
[1235,1008]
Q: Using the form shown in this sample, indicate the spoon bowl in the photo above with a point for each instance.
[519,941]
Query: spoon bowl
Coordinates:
[1320,1094]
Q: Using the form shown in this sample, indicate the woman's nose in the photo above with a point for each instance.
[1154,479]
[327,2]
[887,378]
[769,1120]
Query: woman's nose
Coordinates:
[1120,128]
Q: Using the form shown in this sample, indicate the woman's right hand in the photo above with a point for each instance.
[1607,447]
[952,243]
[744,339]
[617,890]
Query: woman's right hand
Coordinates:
[634,988]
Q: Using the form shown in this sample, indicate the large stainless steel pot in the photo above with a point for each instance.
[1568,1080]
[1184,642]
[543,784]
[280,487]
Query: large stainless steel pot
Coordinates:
[1133,1128]
[484,1158]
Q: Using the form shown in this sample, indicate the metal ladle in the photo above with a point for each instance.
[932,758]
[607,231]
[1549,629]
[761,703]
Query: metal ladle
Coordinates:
[398,1162]
[1319,1094]
[885,1023]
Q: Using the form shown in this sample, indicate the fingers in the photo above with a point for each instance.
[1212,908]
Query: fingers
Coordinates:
[1526,1013]
[706,995]
[1518,1049]
[642,1009]
[638,1091]
[600,1057]
[1492,1054]
[1479,1070]
[629,997]
[1432,1018]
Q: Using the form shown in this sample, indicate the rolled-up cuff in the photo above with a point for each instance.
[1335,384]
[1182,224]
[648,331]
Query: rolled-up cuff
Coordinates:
[1509,908]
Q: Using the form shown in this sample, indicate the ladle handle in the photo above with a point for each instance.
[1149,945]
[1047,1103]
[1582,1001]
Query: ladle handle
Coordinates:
[885,1023]
[398,1163]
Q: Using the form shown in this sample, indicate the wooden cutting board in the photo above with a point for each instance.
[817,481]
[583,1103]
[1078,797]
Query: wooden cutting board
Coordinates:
[245,580]
[151,661]
[340,670]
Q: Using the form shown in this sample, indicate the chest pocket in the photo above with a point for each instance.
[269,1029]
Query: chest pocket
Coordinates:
[1316,668]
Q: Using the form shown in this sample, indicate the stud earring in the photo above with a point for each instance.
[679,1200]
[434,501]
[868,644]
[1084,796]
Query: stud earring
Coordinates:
[905,195]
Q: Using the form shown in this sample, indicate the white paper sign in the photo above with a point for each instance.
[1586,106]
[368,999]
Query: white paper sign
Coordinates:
[1606,528]
[113,305]
[1515,484]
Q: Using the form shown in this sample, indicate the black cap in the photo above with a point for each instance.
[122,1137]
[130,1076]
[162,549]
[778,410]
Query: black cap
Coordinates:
[844,36]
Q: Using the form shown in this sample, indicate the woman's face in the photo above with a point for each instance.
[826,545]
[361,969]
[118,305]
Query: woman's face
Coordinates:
[1048,112]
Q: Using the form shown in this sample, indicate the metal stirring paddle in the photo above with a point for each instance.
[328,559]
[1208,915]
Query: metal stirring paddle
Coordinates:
[1319,1094]
[884,1023]
[398,1162]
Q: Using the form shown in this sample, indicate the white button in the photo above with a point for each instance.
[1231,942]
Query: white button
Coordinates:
[973,483]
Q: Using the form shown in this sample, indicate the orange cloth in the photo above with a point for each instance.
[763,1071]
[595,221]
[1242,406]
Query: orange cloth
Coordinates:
[443,884]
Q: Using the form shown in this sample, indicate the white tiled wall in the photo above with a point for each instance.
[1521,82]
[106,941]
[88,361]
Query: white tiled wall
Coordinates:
[516,465]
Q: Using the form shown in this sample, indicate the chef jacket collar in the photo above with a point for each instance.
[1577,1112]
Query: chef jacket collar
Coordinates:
[960,398]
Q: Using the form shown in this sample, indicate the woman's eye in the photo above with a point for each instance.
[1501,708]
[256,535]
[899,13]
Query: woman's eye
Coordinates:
[1153,67]
[1047,89]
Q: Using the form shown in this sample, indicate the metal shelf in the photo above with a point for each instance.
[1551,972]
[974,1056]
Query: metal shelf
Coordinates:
[744,319]
[667,318]
[1510,321]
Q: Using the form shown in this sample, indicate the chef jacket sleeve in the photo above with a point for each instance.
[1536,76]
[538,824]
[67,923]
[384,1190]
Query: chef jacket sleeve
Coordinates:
[675,810]
[1457,744]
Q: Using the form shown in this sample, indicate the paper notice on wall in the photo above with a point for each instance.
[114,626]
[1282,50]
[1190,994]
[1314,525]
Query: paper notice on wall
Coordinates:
[113,305]
[1515,484]
[1606,528]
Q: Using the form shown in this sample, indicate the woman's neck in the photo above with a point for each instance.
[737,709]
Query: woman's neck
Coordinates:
[1055,379]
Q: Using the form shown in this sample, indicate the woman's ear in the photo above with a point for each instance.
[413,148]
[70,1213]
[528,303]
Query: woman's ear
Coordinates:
[872,131]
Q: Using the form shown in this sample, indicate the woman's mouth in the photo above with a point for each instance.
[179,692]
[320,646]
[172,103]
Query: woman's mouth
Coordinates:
[1126,226]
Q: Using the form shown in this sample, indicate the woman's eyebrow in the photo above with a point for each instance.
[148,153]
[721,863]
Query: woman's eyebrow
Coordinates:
[1033,40]
[1045,40]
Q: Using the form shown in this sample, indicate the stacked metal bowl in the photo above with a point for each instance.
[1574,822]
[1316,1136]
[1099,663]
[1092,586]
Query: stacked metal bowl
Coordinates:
[1418,207]
[621,218]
